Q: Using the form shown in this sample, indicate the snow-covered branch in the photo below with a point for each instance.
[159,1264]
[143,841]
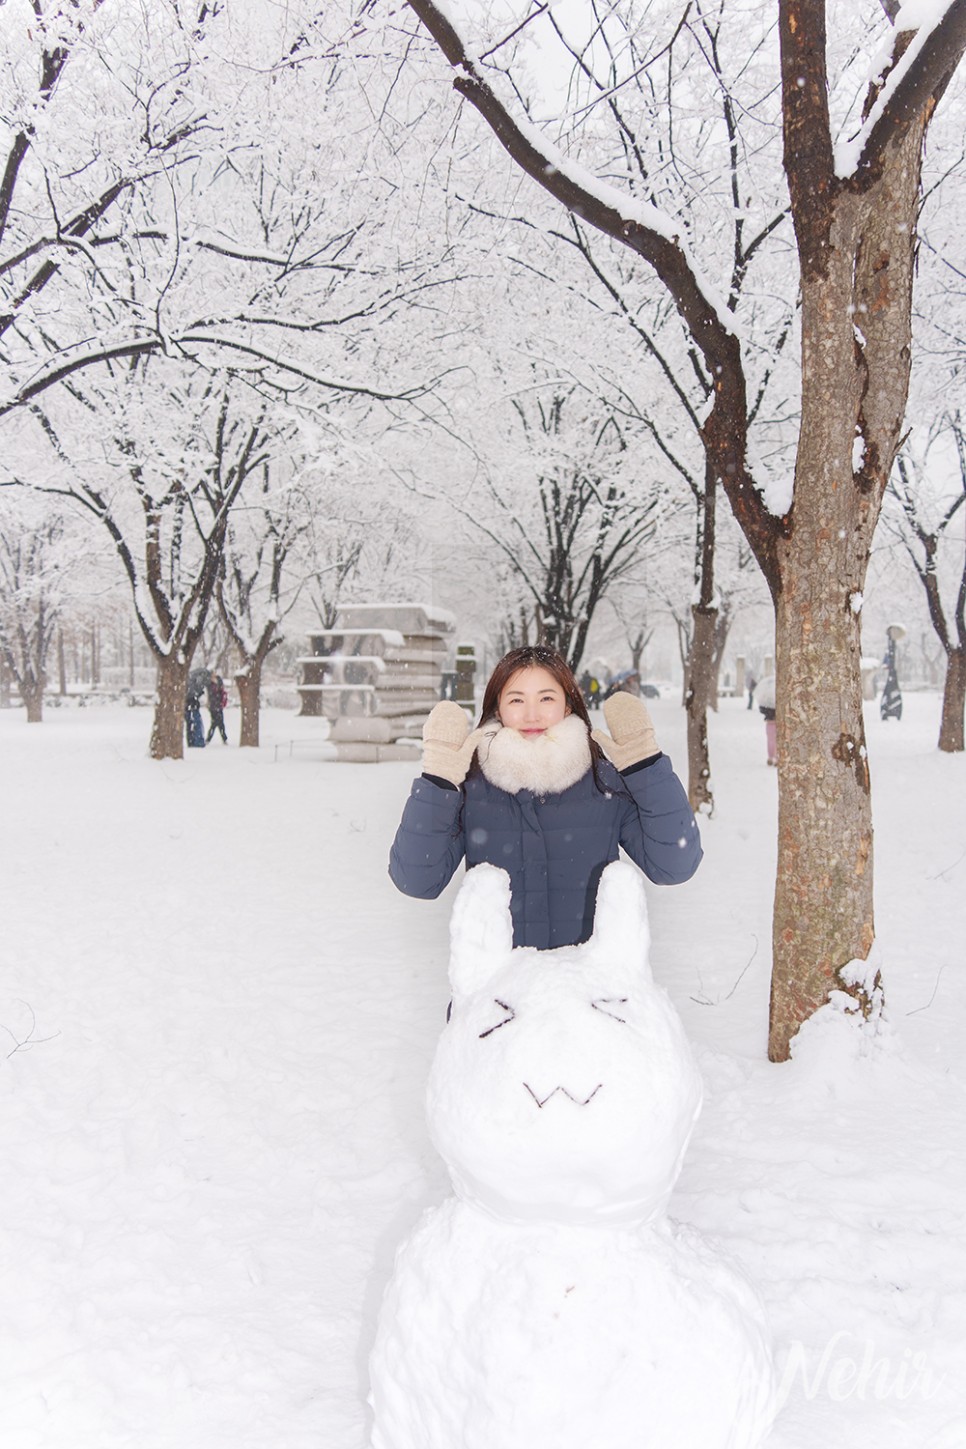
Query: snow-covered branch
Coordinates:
[639,225]
[234,349]
[928,43]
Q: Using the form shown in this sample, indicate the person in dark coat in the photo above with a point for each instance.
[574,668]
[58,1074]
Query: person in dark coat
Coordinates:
[531,790]
[627,680]
[890,706]
[217,699]
[197,682]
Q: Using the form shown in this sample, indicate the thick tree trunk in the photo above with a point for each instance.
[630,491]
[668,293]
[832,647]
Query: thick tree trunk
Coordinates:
[249,685]
[699,692]
[823,896]
[954,702]
[856,244]
[168,730]
[854,386]
[33,698]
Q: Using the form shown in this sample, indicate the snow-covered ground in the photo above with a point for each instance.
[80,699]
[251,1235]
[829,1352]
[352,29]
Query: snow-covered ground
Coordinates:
[216,1022]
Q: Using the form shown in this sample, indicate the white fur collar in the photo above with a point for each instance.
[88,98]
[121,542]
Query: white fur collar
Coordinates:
[547,765]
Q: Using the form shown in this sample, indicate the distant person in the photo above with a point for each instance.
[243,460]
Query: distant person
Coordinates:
[217,699]
[590,689]
[628,681]
[765,700]
[890,706]
[194,726]
[750,682]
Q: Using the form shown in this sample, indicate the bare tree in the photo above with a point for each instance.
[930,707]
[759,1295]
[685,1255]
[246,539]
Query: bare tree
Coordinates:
[573,517]
[635,621]
[33,562]
[855,215]
[162,479]
[254,591]
[923,522]
[854,212]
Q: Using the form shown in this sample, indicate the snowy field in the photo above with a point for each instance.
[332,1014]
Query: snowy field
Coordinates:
[216,1021]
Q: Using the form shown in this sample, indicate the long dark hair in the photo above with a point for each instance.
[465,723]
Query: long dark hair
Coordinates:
[543,657]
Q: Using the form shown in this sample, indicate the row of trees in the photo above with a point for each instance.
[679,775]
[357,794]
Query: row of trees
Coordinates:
[615,517]
[202,300]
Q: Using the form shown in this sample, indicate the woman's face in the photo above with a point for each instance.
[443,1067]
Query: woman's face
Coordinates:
[532,701]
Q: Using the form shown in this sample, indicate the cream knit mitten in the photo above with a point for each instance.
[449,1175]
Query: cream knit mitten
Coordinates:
[632,738]
[448,744]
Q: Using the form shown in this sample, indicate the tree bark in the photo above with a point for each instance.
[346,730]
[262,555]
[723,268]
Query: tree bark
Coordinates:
[698,692]
[32,694]
[722,629]
[249,684]
[856,344]
[168,729]
[954,702]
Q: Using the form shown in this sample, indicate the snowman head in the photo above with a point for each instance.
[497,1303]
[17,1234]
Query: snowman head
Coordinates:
[563,1086]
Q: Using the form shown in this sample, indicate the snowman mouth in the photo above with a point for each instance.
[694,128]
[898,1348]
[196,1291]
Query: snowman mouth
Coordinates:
[578,1101]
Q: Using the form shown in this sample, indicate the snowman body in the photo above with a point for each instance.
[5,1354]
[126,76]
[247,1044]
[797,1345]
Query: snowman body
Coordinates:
[550,1304]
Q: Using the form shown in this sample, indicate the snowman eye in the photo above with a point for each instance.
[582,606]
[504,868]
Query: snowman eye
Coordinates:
[505,1006]
[607,1006]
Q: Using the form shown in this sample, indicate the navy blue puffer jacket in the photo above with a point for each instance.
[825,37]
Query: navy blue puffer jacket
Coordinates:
[554,847]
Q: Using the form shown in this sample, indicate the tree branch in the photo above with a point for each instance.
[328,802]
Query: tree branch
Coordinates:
[600,206]
[921,84]
[809,158]
[655,237]
[146,346]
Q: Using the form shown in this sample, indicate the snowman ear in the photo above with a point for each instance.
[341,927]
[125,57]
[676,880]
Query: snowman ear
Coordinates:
[481,929]
[621,938]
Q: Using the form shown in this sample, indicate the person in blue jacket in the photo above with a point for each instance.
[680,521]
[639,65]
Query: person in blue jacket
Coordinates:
[534,790]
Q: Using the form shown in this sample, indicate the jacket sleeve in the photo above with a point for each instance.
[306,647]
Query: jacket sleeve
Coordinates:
[659,831]
[429,843]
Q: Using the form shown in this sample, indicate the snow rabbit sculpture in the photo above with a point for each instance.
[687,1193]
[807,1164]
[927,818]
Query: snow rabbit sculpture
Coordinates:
[549,1304]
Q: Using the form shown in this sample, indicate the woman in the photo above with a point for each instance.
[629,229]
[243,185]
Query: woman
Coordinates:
[531,790]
